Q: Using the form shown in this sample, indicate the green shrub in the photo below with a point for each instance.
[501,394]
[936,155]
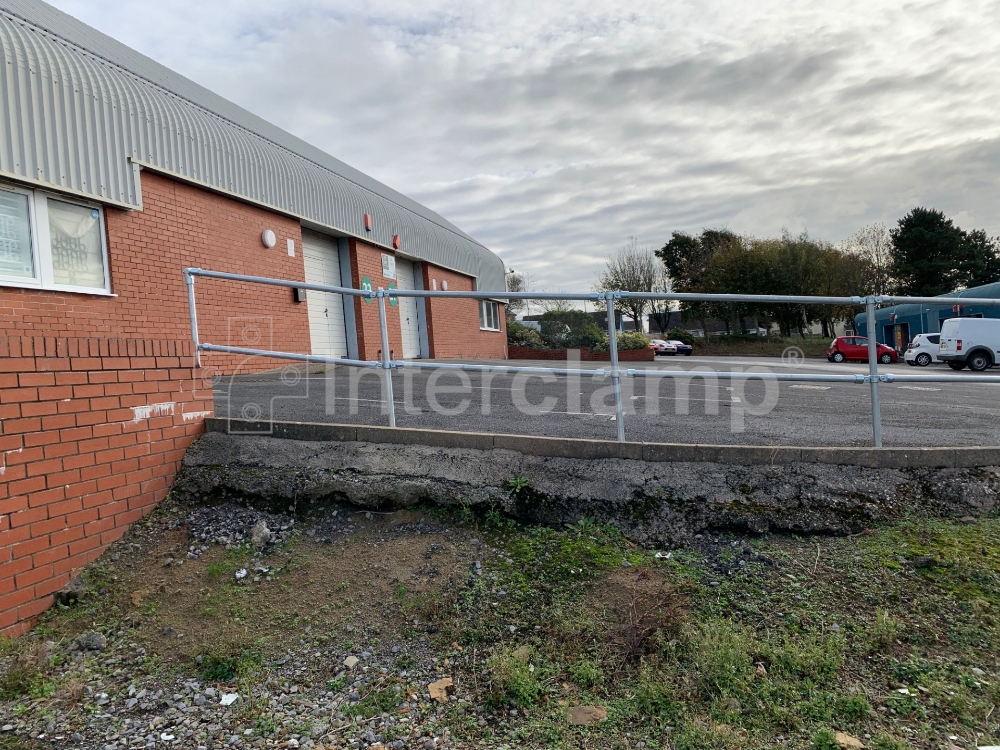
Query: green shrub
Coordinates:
[522,335]
[632,340]
[570,329]
[677,334]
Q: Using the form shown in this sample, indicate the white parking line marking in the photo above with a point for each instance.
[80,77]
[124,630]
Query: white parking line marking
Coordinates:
[812,387]
[916,388]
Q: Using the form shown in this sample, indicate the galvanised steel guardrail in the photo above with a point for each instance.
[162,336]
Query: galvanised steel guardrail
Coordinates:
[873,378]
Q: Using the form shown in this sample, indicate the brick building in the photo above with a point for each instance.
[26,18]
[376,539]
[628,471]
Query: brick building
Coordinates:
[115,174]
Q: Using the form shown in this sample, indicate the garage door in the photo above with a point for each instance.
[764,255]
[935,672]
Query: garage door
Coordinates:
[408,310]
[327,331]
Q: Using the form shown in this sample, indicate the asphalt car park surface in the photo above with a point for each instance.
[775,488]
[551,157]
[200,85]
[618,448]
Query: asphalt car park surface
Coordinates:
[690,410]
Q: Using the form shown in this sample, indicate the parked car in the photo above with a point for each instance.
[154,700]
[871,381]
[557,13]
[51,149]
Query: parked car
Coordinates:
[923,349]
[681,348]
[659,346]
[970,342]
[856,348]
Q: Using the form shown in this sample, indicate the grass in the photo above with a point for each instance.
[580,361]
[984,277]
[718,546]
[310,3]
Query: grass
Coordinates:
[891,636]
[757,346]
[801,646]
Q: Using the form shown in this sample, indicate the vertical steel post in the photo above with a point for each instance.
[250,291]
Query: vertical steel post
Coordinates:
[616,374]
[873,371]
[386,362]
[193,314]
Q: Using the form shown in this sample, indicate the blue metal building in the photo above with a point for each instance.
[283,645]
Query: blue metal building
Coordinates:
[897,325]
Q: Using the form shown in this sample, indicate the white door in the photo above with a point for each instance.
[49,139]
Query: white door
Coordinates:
[408,310]
[327,330]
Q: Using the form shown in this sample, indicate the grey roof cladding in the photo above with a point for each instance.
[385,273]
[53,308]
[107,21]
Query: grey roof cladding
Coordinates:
[79,105]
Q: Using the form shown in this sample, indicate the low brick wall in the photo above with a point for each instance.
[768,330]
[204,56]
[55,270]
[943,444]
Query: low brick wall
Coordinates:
[624,355]
[92,432]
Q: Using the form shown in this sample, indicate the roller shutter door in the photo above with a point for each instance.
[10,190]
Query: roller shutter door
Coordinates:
[327,330]
[408,310]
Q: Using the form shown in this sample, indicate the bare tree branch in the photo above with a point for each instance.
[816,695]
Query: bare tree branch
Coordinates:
[632,269]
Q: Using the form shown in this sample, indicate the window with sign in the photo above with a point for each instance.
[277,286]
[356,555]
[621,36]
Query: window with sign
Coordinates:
[489,315]
[47,242]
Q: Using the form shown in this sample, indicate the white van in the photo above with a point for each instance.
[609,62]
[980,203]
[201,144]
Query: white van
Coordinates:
[972,342]
[923,350]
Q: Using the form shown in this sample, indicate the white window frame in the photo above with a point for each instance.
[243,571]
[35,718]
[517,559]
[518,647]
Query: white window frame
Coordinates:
[41,244]
[484,318]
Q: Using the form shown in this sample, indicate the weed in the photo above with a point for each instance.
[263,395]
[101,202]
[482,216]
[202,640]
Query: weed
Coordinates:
[586,673]
[518,485]
[20,679]
[853,707]
[825,739]
[228,661]
[379,700]
[655,696]
[514,678]
[265,725]
[887,742]
[883,632]
[722,653]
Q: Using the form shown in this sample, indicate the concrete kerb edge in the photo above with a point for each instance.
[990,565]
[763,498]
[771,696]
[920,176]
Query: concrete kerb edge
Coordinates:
[878,458]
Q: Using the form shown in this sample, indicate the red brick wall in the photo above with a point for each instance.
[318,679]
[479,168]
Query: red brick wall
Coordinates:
[91,434]
[180,225]
[366,260]
[585,355]
[453,324]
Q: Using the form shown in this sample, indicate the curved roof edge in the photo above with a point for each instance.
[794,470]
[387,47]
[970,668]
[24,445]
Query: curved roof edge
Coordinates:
[78,106]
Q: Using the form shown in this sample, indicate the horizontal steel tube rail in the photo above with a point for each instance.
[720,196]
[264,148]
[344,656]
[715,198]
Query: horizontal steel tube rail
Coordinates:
[873,378]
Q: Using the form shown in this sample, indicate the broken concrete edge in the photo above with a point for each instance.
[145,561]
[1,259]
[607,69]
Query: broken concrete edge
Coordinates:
[532,445]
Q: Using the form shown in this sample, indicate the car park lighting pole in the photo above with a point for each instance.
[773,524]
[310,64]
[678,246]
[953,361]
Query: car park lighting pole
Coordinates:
[386,363]
[616,374]
[873,371]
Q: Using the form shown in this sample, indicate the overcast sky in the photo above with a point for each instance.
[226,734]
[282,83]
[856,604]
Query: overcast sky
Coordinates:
[553,131]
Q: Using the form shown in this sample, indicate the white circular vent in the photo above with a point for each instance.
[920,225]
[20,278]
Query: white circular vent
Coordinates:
[268,238]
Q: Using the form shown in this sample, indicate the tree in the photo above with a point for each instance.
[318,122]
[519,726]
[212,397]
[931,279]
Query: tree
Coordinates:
[632,269]
[686,259]
[930,255]
[982,263]
[872,245]
[517,282]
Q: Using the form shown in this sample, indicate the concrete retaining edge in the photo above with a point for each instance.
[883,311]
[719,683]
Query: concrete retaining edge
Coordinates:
[530,445]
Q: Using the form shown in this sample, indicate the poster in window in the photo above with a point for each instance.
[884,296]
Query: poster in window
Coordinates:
[15,236]
[388,266]
[77,251]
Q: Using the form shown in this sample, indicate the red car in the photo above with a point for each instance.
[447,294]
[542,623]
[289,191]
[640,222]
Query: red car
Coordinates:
[856,347]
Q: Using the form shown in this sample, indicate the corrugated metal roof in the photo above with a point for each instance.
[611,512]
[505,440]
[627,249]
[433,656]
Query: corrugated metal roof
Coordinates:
[79,105]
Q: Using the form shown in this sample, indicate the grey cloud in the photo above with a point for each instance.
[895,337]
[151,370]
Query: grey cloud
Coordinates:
[552,148]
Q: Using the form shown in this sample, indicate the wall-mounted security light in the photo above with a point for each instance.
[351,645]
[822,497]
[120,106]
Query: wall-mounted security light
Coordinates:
[268,238]
[444,285]
[298,294]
